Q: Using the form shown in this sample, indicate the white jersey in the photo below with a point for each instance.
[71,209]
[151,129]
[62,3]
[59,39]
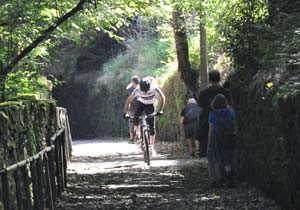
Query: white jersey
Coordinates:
[148,97]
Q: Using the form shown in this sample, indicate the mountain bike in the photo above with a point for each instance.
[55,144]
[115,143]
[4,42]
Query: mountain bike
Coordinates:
[145,135]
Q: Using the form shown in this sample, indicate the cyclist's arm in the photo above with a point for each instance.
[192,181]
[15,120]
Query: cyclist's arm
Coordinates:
[162,100]
[128,102]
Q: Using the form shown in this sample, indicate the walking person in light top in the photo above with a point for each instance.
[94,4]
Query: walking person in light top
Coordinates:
[135,81]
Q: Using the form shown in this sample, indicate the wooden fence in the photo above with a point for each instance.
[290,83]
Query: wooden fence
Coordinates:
[40,179]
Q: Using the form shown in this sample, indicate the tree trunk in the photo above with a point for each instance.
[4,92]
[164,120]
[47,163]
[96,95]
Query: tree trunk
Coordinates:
[187,75]
[203,58]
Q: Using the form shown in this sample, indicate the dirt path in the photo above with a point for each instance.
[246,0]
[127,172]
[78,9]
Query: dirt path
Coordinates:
[113,176]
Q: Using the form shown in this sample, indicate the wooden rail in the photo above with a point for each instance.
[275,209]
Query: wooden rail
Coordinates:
[38,180]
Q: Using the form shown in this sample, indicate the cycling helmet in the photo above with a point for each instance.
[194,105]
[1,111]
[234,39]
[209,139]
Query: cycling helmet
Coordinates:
[144,85]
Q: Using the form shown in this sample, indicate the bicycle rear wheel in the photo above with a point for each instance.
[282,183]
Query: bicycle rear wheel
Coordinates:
[146,150]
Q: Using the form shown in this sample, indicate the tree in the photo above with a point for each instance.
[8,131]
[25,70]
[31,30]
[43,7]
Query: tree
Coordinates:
[29,28]
[182,50]
[208,14]
[203,58]
[44,35]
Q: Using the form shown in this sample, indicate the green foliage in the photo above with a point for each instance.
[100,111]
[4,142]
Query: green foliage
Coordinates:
[232,26]
[24,82]
[194,51]
[145,57]
[214,15]
[23,21]
[240,25]
[264,45]
[169,128]
[150,55]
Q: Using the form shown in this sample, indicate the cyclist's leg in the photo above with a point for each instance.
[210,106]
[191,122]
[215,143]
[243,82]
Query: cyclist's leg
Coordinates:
[138,112]
[152,139]
[131,132]
[149,109]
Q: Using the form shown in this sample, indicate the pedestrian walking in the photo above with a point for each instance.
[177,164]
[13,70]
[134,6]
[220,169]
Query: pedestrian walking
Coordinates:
[221,142]
[190,120]
[135,81]
[204,101]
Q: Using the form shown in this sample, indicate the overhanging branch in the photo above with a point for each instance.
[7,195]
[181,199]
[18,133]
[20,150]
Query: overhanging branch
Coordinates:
[44,35]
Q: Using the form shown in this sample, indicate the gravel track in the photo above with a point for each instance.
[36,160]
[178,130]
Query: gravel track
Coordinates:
[111,175]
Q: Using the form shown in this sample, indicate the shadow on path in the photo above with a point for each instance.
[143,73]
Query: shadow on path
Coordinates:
[113,176]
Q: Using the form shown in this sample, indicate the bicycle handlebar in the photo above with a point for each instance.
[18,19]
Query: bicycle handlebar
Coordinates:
[128,117]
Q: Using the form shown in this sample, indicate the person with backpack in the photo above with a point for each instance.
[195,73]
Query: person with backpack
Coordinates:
[204,100]
[189,118]
[221,142]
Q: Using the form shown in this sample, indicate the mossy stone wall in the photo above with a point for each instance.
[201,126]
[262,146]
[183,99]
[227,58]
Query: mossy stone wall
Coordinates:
[92,111]
[269,140]
[168,125]
[25,129]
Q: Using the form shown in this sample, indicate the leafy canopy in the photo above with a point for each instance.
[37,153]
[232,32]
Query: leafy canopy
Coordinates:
[24,21]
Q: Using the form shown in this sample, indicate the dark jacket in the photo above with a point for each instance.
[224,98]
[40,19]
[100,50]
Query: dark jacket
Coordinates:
[204,100]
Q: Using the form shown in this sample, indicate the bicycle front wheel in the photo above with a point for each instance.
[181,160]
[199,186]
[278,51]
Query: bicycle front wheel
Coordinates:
[147,145]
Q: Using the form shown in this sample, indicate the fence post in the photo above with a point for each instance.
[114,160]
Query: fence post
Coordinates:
[49,197]
[6,199]
[18,189]
[41,184]
[45,173]
[58,164]
[64,157]
[26,183]
[36,198]
[61,157]
[52,173]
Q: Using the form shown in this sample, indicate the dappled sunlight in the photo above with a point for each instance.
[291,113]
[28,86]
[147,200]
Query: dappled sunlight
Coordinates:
[113,175]
[113,186]
[81,54]
[96,156]
[96,148]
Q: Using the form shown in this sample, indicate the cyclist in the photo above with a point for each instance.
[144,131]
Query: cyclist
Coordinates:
[135,80]
[146,94]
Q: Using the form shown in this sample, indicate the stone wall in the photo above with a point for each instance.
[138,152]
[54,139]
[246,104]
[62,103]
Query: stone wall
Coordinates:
[289,7]
[168,125]
[25,128]
[79,67]
[269,140]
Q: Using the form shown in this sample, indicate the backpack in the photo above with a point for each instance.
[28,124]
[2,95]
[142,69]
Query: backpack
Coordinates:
[225,131]
[192,114]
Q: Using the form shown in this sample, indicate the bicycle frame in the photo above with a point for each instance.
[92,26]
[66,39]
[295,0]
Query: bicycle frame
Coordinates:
[145,135]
